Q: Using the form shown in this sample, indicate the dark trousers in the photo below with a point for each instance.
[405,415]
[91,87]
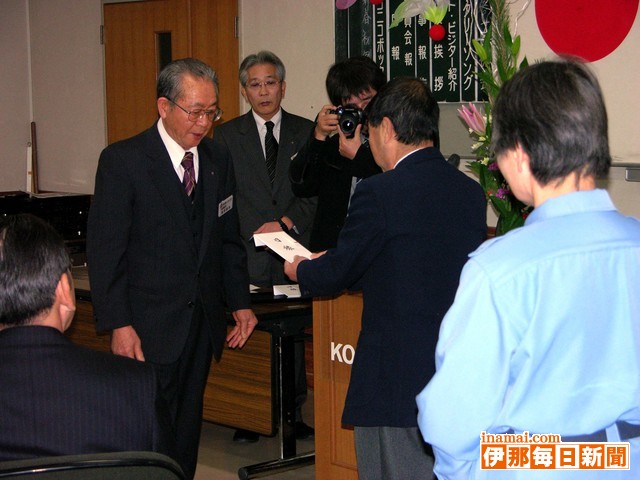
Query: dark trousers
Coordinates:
[183,384]
[390,453]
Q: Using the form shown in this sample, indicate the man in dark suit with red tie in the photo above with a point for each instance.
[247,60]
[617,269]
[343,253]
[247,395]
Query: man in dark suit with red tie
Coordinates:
[164,254]
[407,235]
[58,398]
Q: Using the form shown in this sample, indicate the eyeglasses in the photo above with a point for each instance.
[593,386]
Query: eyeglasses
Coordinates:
[195,115]
[268,84]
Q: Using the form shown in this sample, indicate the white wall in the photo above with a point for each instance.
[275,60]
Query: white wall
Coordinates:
[52,74]
[14,95]
[300,32]
[68,92]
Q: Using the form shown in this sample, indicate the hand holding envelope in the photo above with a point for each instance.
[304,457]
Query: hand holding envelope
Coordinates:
[282,244]
[288,248]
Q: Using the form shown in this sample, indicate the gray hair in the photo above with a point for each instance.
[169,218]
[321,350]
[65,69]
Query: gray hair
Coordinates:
[259,58]
[170,78]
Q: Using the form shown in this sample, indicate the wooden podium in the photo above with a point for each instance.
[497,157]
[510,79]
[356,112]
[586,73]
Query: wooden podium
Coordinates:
[336,326]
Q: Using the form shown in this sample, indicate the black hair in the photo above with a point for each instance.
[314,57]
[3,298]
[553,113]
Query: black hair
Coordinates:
[412,109]
[32,259]
[555,111]
[351,77]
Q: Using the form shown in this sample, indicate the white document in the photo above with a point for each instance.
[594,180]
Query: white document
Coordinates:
[282,244]
[291,291]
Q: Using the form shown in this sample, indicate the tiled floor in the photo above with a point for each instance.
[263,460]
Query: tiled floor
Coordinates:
[220,458]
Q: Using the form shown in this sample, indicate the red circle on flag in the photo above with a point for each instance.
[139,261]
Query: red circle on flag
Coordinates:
[590,30]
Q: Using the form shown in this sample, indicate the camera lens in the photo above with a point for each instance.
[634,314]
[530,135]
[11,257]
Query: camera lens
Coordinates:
[348,126]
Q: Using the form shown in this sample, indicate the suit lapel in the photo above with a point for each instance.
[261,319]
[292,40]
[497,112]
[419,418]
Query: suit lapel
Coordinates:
[208,181]
[286,149]
[253,149]
[163,175]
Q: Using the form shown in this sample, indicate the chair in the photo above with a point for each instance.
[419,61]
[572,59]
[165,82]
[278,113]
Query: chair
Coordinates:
[98,466]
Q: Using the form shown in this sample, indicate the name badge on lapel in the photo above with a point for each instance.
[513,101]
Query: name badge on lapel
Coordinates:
[225,205]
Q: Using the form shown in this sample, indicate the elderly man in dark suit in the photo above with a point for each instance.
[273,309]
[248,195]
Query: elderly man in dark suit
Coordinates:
[406,238]
[263,143]
[164,248]
[58,398]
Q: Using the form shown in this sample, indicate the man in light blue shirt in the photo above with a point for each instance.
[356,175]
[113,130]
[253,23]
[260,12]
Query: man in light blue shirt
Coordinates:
[544,333]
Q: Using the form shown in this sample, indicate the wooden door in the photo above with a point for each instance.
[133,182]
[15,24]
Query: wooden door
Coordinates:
[336,326]
[132,39]
[141,37]
[214,40]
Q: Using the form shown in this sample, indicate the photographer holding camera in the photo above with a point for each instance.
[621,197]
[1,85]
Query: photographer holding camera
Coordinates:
[337,156]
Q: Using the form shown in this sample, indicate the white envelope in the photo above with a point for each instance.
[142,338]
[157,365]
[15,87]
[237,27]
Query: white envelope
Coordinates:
[282,244]
[291,291]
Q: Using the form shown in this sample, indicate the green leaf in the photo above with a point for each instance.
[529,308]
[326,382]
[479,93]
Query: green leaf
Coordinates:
[515,47]
[398,15]
[506,34]
[480,50]
[502,71]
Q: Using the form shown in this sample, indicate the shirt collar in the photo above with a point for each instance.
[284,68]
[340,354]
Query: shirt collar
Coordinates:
[572,203]
[276,119]
[176,152]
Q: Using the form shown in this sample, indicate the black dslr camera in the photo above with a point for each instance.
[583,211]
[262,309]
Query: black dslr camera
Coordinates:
[349,117]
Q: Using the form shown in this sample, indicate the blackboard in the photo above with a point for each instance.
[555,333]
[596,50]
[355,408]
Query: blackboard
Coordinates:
[447,65]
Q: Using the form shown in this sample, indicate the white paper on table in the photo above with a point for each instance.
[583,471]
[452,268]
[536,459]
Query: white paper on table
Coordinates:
[282,244]
[291,291]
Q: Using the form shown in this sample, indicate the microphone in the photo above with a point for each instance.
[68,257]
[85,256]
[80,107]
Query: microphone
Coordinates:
[454,159]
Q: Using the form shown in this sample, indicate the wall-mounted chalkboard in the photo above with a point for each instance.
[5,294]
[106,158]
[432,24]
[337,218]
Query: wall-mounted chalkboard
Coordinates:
[447,65]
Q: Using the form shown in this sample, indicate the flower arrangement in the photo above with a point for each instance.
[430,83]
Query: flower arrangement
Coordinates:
[497,58]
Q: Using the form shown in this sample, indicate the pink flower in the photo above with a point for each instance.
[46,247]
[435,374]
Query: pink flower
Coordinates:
[473,118]
[502,193]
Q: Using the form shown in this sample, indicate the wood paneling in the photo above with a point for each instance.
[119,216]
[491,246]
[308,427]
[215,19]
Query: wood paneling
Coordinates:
[131,61]
[214,41]
[335,321]
[239,388]
[83,329]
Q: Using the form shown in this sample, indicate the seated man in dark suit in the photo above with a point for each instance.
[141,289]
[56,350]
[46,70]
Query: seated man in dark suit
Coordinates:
[58,398]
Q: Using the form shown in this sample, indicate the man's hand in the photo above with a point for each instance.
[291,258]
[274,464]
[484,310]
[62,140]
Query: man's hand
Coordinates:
[274,226]
[246,321]
[269,227]
[125,342]
[291,268]
[348,147]
[326,124]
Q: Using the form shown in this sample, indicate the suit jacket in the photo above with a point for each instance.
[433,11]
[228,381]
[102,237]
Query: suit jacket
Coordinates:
[408,234]
[60,399]
[258,200]
[319,170]
[146,268]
